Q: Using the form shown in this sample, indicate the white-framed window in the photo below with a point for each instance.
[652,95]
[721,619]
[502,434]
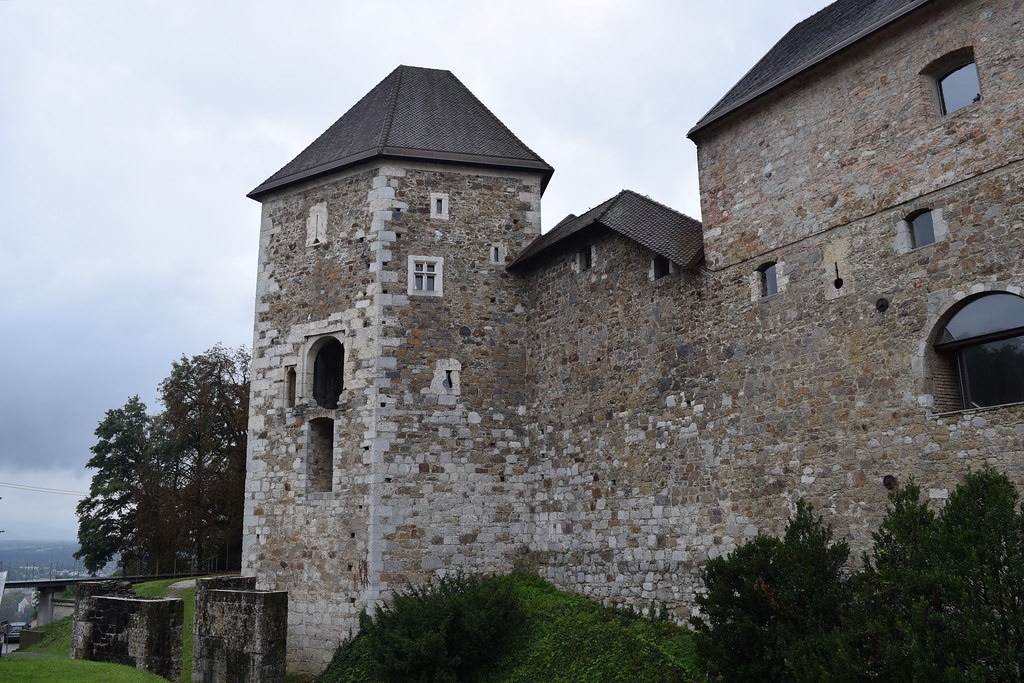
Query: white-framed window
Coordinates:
[919,229]
[660,267]
[497,254]
[426,276]
[439,205]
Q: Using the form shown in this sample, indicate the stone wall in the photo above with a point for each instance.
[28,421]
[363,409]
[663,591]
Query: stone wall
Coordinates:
[675,419]
[112,624]
[623,428]
[862,135]
[427,435]
[239,634]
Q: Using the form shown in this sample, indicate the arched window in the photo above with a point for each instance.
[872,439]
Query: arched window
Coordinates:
[981,348]
[954,77]
[959,87]
[328,373]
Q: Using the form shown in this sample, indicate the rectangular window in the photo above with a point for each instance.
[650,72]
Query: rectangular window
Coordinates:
[922,230]
[439,205]
[660,267]
[426,275]
[769,280]
[585,258]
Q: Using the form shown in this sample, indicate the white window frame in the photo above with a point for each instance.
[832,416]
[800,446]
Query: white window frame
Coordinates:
[671,268]
[442,198]
[497,254]
[905,234]
[424,271]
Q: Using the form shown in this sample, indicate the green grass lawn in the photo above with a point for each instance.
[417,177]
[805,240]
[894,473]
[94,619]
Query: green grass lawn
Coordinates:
[77,670]
[57,642]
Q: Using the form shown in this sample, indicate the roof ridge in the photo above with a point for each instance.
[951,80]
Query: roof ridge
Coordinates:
[647,198]
[492,114]
[611,202]
[414,113]
[389,120]
[774,68]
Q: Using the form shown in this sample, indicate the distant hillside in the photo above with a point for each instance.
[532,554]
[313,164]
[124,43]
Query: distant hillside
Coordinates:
[32,559]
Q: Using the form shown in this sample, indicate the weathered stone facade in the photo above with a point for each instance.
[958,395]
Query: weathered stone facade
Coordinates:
[628,428]
[424,438]
[112,624]
[239,634]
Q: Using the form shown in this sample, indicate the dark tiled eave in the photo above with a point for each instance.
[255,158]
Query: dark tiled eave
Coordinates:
[725,107]
[405,154]
[414,114]
[663,230]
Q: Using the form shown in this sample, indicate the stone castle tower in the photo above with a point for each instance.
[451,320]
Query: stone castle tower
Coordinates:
[437,386]
[389,355]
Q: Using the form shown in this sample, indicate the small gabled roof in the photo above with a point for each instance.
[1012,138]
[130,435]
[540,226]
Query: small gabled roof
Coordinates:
[810,42]
[414,113]
[664,231]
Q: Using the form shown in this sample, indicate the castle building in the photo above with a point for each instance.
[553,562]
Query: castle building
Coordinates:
[438,387]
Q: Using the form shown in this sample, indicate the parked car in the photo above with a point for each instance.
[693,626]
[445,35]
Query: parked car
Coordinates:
[14,635]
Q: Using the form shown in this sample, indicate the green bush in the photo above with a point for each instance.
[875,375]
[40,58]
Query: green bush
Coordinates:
[942,596]
[444,630]
[562,638]
[772,608]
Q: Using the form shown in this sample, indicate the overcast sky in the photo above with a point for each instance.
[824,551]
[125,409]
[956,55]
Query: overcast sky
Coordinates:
[131,131]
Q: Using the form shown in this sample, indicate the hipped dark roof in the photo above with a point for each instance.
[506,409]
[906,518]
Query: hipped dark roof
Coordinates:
[808,43]
[664,231]
[414,113]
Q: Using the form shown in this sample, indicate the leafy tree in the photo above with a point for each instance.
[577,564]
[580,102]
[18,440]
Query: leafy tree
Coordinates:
[205,418]
[942,596]
[981,551]
[168,488]
[772,608]
[107,516]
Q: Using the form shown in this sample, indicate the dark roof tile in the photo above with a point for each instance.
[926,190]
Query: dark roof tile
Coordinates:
[664,231]
[811,41]
[414,113]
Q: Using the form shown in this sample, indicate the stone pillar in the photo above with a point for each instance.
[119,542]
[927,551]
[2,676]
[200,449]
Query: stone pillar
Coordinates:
[240,634]
[112,624]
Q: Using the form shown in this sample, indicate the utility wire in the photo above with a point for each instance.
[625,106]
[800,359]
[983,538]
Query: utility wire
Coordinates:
[42,489]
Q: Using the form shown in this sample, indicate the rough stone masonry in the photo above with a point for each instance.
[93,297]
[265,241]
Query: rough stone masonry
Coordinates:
[438,387]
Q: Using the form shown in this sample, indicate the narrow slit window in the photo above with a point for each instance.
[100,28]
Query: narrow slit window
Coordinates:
[290,398]
[768,275]
[439,205]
